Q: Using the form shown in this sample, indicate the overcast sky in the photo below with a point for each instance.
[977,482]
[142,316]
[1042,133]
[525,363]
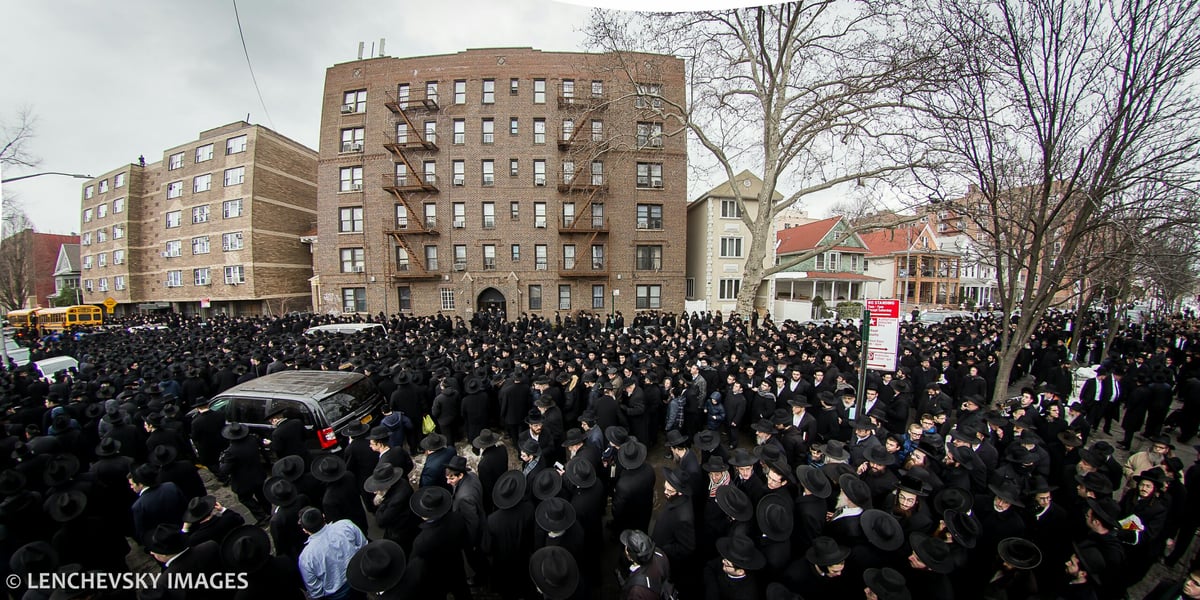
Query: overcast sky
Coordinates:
[109,81]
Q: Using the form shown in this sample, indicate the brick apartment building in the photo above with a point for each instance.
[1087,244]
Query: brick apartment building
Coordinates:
[40,252]
[214,226]
[502,178]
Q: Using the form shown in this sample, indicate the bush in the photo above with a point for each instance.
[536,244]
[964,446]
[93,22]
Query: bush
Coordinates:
[849,310]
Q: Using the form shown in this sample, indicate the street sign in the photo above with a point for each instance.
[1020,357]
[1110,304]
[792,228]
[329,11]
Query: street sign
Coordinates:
[110,304]
[884,344]
[206,303]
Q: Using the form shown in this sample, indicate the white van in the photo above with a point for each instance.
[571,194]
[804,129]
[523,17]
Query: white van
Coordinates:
[346,328]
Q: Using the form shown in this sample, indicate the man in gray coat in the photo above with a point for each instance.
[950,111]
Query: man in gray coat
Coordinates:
[468,504]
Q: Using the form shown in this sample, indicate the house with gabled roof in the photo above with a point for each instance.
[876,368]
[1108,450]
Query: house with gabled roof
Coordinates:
[913,267]
[836,274]
[66,270]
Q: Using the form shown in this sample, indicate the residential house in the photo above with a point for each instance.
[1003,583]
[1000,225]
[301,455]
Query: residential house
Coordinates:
[913,267]
[834,275]
[66,272]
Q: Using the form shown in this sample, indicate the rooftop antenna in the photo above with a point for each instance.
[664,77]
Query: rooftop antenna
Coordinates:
[360,50]
[381,42]
[372,49]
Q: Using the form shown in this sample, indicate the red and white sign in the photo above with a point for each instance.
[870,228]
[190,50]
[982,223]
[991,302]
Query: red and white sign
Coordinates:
[205,303]
[884,342]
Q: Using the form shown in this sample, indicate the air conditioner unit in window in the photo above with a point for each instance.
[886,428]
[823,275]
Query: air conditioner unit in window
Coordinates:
[643,224]
[166,255]
[348,109]
[539,181]
[657,183]
[540,267]
[352,146]
[540,224]
[460,223]
[460,180]
[356,187]
[459,266]
[358,269]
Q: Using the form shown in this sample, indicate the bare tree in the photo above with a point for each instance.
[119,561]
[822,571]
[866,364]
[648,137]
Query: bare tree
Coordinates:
[14,140]
[16,259]
[1066,115]
[813,93]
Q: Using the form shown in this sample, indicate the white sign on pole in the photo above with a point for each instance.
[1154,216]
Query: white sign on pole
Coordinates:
[884,342]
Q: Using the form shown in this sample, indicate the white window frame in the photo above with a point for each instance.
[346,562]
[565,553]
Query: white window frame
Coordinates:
[235,145]
[174,249]
[175,161]
[102,211]
[204,153]
[232,241]
[235,176]
[118,206]
[201,276]
[731,247]
[350,179]
[174,189]
[118,282]
[235,274]
[447,297]
[174,218]
[119,256]
[202,183]
[200,214]
[227,205]
[352,215]
[87,215]
[200,245]
[118,180]
[174,278]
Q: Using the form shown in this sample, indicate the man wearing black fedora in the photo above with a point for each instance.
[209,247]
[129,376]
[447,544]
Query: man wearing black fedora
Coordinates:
[510,526]
[288,438]
[438,453]
[206,427]
[390,493]
[380,439]
[734,575]
[242,463]
[286,501]
[341,497]
[929,567]
[820,573]
[674,529]
[493,462]
[168,545]
[633,493]
[555,573]
[361,459]
[649,571]
[885,584]
[380,570]
[205,519]
[468,504]
[181,472]
[156,504]
[247,549]
[440,544]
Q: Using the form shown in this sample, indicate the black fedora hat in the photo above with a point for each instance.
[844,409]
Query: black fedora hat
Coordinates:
[59,469]
[289,468]
[108,446]
[856,490]
[554,515]
[763,426]
[676,439]
[707,440]
[356,430]
[509,489]
[887,583]
[474,385]
[379,433]
[486,439]
[458,464]
[376,567]
[879,456]
[534,417]
[932,551]
[953,498]
[546,484]
[66,505]
[799,402]
[246,549]
[616,435]
[825,551]
[1020,553]
[430,502]
[554,572]
[580,473]
[12,482]
[1095,483]
[199,508]
[433,442]
[1007,492]
[163,454]
[678,480]
[165,539]
[882,529]
[383,477]
[573,437]
[34,557]
[814,480]
[631,454]
[235,431]
[836,451]
[328,468]
[739,550]
[742,457]
[913,485]
[280,491]
[964,527]
[775,517]
[1090,560]
[529,446]
[715,464]
[1106,510]
[735,503]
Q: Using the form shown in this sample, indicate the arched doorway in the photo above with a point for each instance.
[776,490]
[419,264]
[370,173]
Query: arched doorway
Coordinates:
[492,302]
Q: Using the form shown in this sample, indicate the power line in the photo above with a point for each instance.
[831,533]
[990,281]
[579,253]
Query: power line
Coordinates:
[251,67]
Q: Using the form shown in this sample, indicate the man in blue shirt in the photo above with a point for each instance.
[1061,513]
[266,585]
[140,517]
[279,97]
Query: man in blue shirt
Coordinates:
[327,553]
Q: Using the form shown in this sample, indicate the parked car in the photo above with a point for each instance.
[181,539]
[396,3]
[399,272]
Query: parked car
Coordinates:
[326,401]
[941,316]
[346,328]
[16,352]
[47,367]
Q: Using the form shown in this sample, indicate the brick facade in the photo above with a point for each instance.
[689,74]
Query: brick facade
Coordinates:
[382,277]
[277,192]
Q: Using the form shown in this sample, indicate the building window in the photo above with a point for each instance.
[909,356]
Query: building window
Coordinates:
[431,91]
[597,257]
[447,298]
[103,186]
[200,245]
[513,86]
[350,179]
[568,129]
[118,257]
[102,260]
[535,297]
[201,276]
[102,211]
[539,91]
[564,297]
[460,92]
[118,232]
[597,296]
[231,241]
[539,131]
[514,211]
[459,168]
[431,258]
[174,278]
[649,175]
[354,102]
[200,214]
[202,183]
[459,212]
[204,153]
[119,180]
[460,131]
[87,283]
[649,216]
[730,209]
[597,172]
[235,176]
[731,247]
[102,235]
[649,95]
[430,215]
[488,168]
[175,161]
[690,287]
[516,253]
[568,171]
[231,208]
[174,189]
[352,260]
[489,130]
[568,257]
[352,139]
[514,167]
[568,214]
[404,293]
[489,257]
[174,219]
[539,257]
[354,300]
[103,284]
[539,215]
[235,145]
[568,88]
[401,259]
[235,274]
[649,296]
[87,262]
[174,249]
[119,282]
[87,215]
[87,239]
[649,135]
[489,215]
[597,89]
[539,172]
[489,91]
[118,205]
[597,130]
[350,219]
[514,126]
[729,289]
[649,258]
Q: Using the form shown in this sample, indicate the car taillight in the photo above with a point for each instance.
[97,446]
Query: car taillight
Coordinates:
[327,438]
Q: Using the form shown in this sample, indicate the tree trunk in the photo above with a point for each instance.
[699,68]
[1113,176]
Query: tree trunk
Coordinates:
[752,277]
[1006,359]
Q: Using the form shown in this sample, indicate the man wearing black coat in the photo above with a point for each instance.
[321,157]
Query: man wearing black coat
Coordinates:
[285,527]
[390,493]
[361,460]
[182,473]
[440,544]
[206,520]
[493,462]
[633,493]
[289,437]
[206,435]
[242,464]
[509,542]
[514,404]
[170,547]
[674,529]
[157,503]
[635,410]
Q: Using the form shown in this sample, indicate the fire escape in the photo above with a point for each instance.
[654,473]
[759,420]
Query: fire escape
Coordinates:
[592,186]
[408,184]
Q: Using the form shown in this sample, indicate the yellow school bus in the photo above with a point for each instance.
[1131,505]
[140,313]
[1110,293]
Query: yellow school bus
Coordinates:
[66,317]
[21,318]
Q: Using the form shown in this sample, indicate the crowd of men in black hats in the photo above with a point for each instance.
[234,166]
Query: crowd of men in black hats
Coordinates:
[776,482]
